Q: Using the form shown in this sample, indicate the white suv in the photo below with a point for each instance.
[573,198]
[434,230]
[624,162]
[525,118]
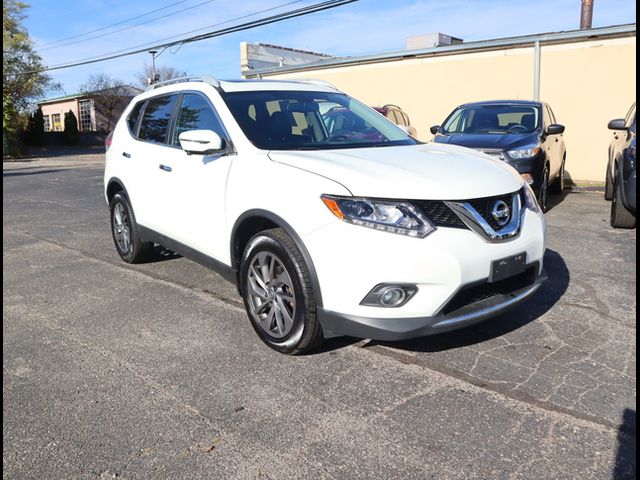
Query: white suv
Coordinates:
[330,219]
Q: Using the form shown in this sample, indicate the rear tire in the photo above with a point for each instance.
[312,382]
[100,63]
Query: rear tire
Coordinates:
[278,294]
[620,216]
[129,243]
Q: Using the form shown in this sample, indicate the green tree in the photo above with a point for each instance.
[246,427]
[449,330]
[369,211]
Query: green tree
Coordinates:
[71,134]
[18,56]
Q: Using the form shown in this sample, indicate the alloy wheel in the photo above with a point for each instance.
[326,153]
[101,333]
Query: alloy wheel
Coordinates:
[121,228]
[272,298]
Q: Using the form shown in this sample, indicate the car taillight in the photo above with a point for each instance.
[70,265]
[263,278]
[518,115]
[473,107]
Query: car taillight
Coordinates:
[107,141]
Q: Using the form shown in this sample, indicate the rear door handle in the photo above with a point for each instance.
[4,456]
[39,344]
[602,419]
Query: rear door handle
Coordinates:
[165,168]
[125,154]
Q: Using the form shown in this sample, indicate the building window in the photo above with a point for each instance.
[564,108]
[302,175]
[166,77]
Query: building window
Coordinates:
[56,124]
[47,123]
[85,116]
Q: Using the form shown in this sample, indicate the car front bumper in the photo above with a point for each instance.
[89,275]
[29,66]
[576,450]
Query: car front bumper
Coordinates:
[395,329]
[351,260]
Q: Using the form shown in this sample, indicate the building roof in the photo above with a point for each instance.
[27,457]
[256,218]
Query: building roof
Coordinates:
[131,92]
[616,31]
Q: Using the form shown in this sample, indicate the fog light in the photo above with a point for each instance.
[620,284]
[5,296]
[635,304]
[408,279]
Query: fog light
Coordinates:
[527,178]
[389,296]
[392,296]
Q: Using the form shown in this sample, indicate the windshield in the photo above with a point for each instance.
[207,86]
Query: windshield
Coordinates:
[301,120]
[493,119]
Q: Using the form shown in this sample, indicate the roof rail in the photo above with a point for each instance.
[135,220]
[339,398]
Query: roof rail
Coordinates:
[192,78]
[315,81]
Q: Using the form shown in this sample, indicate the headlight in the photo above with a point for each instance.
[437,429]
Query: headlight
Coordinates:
[530,200]
[523,153]
[386,215]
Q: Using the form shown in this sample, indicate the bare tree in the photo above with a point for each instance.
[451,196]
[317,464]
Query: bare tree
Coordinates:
[163,73]
[109,96]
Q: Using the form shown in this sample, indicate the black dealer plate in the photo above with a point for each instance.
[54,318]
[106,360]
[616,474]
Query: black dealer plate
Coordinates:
[508,267]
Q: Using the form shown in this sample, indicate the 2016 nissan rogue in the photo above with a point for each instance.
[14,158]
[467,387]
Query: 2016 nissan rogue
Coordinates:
[326,232]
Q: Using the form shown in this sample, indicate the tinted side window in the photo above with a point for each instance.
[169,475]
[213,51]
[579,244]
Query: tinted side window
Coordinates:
[552,117]
[132,119]
[546,117]
[630,120]
[155,121]
[196,114]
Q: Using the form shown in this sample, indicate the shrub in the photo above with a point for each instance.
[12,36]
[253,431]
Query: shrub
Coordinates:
[71,134]
[35,129]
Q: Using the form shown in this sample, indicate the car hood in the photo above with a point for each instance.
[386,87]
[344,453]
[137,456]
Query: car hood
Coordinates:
[506,141]
[436,172]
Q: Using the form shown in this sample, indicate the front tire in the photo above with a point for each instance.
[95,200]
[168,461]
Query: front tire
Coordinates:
[620,216]
[558,184]
[543,194]
[278,294]
[608,185]
[129,243]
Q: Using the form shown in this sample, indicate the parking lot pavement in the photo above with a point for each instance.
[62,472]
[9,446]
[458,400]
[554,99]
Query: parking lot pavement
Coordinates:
[153,371]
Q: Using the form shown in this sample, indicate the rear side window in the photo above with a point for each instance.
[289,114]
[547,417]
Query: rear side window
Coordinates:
[132,119]
[196,114]
[155,120]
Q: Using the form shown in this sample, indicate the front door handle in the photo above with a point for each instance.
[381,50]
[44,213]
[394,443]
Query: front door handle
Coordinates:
[125,154]
[165,168]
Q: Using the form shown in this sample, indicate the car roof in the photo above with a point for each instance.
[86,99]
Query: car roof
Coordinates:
[229,86]
[502,102]
[262,85]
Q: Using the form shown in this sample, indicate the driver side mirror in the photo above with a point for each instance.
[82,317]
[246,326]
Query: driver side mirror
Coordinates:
[555,129]
[201,142]
[617,124]
[434,129]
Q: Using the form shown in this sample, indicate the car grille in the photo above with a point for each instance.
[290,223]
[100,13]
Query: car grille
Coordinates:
[484,206]
[474,294]
[439,214]
[442,216]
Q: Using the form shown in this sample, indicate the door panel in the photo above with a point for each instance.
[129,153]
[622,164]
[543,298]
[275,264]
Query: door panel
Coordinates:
[150,151]
[552,144]
[197,183]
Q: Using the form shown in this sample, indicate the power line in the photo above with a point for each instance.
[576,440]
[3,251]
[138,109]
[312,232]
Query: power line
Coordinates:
[216,33]
[153,45]
[109,26]
[129,27]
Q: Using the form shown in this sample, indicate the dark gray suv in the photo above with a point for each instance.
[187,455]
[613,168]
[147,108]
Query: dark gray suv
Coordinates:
[621,171]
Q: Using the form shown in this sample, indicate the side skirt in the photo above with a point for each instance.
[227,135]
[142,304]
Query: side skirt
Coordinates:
[225,271]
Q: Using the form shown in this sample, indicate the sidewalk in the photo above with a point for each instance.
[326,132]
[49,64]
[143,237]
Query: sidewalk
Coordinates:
[57,157]
[56,152]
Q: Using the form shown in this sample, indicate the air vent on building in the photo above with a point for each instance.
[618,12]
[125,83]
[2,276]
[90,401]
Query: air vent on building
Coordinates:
[431,40]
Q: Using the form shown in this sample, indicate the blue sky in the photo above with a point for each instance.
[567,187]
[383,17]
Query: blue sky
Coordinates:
[363,27]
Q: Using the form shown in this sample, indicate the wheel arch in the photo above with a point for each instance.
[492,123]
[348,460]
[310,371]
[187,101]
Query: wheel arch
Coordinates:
[254,221]
[115,185]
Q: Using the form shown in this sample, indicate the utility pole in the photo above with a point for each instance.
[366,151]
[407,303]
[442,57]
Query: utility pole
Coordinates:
[586,14]
[154,77]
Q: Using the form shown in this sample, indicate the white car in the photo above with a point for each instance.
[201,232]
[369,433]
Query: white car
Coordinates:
[329,227]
